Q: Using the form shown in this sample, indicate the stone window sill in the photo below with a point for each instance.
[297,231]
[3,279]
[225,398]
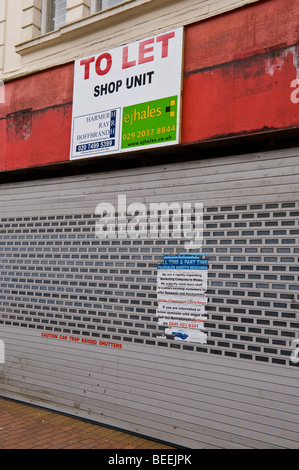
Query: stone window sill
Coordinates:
[81,27]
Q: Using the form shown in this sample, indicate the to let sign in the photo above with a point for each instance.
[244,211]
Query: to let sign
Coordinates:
[129,97]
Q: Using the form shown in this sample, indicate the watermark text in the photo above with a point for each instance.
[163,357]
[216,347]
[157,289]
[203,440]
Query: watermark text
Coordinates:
[157,220]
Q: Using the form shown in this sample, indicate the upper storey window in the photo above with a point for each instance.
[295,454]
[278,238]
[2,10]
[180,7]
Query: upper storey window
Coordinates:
[54,14]
[103,4]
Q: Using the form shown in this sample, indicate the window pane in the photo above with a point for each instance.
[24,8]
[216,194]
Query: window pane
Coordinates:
[56,14]
[103,4]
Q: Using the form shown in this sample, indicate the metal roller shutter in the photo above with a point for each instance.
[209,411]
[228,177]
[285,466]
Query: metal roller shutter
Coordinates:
[59,282]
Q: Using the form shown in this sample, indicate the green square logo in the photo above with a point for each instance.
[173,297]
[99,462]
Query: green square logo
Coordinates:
[153,122]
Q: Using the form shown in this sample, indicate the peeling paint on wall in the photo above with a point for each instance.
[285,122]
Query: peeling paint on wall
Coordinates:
[274,64]
[19,125]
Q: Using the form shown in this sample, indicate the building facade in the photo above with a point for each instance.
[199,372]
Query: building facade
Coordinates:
[110,113]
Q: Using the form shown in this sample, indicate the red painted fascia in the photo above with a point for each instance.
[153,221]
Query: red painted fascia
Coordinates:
[35,120]
[238,70]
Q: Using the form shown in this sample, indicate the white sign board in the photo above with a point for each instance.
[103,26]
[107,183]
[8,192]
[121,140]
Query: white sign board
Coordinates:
[181,288]
[128,98]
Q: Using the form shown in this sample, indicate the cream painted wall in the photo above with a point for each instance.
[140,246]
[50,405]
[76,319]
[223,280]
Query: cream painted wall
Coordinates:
[24,50]
[10,32]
